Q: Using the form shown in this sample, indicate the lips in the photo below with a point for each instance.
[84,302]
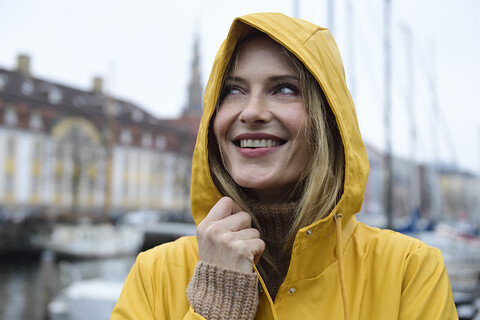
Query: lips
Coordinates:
[257,140]
[250,143]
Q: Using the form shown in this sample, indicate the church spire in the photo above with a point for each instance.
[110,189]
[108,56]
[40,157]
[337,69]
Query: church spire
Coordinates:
[195,88]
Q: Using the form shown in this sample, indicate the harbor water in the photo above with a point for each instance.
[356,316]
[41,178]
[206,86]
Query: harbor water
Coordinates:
[43,286]
[31,286]
[20,285]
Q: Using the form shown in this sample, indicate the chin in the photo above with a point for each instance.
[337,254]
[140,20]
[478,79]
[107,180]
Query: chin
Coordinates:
[263,188]
[251,184]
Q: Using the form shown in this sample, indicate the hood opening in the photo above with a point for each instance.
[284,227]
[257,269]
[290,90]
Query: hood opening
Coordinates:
[317,51]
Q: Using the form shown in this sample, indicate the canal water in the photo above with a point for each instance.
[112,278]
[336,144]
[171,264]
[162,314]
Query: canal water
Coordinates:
[20,284]
[30,282]
[32,286]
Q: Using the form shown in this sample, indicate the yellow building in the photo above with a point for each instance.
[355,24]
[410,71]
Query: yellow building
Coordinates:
[66,151]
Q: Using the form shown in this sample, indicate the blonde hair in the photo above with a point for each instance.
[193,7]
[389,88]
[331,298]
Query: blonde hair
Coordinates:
[321,183]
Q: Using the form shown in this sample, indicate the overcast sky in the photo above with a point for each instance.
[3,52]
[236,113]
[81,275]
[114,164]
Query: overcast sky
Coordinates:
[143,50]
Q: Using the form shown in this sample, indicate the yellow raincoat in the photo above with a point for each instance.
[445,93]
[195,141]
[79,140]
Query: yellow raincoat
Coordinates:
[385,275]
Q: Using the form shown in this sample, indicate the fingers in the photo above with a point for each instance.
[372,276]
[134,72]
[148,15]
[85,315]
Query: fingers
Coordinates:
[235,222]
[257,246]
[225,237]
[247,234]
[222,209]
[224,216]
[232,228]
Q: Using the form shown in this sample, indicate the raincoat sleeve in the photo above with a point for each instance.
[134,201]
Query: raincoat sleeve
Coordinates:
[137,299]
[426,290]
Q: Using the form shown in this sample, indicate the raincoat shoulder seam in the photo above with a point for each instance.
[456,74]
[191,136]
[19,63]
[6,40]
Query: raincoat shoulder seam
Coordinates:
[422,247]
[150,277]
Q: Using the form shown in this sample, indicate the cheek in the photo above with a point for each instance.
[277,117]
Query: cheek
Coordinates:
[297,122]
[222,123]
[220,128]
[300,127]
[216,129]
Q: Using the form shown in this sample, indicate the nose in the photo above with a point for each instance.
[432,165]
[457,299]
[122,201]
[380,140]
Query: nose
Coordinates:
[255,111]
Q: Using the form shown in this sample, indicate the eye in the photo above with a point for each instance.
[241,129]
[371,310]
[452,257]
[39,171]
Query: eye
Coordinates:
[286,89]
[230,91]
[233,90]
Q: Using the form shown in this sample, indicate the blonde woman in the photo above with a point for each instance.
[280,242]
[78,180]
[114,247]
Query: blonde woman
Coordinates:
[279,171]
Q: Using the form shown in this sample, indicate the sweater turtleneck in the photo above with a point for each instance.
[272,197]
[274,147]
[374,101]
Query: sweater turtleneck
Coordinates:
[220,293]
[275,221]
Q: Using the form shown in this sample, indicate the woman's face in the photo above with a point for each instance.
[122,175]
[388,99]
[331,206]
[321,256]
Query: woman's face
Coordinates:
[260,125]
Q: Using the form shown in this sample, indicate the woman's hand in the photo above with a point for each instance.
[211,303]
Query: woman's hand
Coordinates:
[225,237]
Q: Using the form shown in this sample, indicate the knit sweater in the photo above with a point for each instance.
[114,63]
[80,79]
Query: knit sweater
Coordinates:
[220,293]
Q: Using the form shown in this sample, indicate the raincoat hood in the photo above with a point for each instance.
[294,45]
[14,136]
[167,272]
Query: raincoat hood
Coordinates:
[360,273]
[316,48]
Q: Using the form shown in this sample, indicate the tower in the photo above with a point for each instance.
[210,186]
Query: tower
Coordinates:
[195,88]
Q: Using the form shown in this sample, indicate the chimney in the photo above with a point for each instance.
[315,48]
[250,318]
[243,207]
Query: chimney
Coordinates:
[97,85]
[23,65]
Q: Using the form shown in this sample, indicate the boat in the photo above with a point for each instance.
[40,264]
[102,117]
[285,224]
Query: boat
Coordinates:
[86,299]
[158,227]
[94,240]
[461,254]
[90,288]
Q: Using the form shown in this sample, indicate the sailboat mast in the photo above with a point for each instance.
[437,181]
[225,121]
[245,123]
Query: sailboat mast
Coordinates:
[409,99]
[109,142]
[436,200]
[296,9]
[331,14]
[387,116]
[351,47]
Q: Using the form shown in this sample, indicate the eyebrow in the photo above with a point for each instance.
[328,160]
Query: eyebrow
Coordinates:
[284,77]
[277,78]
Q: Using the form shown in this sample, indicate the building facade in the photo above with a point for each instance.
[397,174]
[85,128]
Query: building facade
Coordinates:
[66,151]
[430,192]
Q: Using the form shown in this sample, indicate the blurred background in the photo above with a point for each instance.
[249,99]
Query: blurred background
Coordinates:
[100,102]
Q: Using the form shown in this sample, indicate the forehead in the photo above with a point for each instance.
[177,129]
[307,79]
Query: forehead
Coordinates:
[261,53]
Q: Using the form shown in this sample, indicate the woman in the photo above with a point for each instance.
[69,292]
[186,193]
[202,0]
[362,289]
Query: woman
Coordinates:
[279,171]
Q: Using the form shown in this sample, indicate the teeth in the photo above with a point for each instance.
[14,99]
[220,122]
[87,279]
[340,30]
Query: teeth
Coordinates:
[263,143]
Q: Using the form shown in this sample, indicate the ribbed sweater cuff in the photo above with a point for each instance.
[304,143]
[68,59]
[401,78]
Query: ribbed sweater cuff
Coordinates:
[219,293]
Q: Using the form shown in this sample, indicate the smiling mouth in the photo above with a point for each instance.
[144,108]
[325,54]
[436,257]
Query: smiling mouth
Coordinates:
[258,143]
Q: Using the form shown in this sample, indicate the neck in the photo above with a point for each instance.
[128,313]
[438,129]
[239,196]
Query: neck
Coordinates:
[268,197]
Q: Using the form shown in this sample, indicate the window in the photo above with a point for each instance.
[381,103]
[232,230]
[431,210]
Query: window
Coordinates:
[79,101]
[137,115]
[37,151]
[161,142]
[117,108]
[147,140]
[126,136]
[3,81]
[10,115]
[27,87]
[10,147]
[36,120]
[9,183]
[54,95]
[35,185]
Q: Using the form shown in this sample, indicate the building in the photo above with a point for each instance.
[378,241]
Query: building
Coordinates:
[71,152]
[430,192]
[460,189]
